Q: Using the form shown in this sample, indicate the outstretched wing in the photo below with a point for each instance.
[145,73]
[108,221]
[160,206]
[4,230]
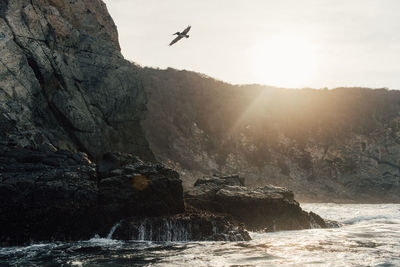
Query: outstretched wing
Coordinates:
[176,40]
[186,30]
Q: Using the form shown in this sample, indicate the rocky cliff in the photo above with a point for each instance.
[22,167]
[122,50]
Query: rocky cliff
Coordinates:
[67,96]
[338,145]
[68,99]
[64,82]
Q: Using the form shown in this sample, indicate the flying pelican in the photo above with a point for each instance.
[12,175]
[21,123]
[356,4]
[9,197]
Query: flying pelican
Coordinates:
[181,35]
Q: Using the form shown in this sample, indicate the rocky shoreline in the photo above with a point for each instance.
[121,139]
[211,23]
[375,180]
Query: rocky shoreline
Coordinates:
[51,194]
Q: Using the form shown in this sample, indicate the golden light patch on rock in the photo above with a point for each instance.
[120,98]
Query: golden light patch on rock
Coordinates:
[140,182]
[57,3]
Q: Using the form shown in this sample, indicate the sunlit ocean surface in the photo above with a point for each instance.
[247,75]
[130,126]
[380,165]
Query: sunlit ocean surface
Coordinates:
[370,236]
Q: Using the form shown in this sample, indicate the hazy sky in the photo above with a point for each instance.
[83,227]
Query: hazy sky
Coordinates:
[289,43]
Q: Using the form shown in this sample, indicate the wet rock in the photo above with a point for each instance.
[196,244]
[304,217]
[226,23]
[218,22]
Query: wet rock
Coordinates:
[59,195]
[267,208]
[129,187]
[45,195]
[182,227]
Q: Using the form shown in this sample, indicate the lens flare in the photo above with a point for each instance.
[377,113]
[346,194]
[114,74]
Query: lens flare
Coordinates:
[285,60]
[140,182]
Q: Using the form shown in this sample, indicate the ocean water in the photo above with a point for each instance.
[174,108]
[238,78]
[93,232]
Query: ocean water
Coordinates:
[370,236]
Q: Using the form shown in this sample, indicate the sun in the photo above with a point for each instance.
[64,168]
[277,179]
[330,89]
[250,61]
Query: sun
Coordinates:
[284,60]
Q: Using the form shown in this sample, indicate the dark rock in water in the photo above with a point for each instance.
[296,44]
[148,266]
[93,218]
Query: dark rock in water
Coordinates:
[58,195]
[53,194]
[129,187]
[267,208]
[182,227]
[46,195]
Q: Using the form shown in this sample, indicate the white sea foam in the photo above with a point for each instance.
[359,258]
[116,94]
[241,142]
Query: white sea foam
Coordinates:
[370,236]
[115,226]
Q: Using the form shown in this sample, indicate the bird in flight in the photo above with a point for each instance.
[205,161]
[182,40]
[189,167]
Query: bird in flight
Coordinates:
[181,35]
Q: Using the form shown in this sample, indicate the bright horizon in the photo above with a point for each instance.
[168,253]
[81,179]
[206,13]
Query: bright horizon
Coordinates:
[288,43]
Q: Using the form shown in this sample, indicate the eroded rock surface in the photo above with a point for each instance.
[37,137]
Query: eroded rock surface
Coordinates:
[129,187]
[49,194]
[46,195]
[195,226]
[64,81]
[266,208]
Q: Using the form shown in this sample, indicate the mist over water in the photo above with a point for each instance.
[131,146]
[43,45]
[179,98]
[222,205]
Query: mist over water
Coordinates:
[370,236]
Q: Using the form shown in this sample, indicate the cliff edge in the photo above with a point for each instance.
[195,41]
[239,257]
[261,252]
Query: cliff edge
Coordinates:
[63,80]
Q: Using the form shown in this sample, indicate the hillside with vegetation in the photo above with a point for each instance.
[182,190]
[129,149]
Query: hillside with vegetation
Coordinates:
[326,145]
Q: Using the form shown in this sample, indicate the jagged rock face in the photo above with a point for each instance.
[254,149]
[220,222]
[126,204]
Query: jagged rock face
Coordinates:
[182,227]
[129,187]
[338,145]
[46,195]
[266,208]
[49,194]
[63,79]
[65,88]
